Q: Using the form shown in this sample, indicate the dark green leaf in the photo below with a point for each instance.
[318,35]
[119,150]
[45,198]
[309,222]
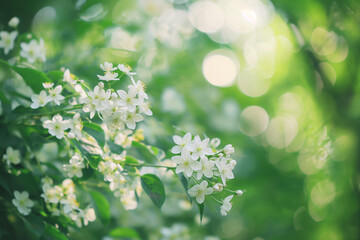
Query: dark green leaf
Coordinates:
[142,152]
[201,211]
[185,184]
[153,187]
[102,206]
[124,233]
[96,132]
[5,103]
[115,148]
[54,233]
[35,225]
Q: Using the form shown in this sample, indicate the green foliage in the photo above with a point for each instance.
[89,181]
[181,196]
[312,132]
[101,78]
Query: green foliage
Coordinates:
[102,206]
[154,188]
[124,233]
[95,131]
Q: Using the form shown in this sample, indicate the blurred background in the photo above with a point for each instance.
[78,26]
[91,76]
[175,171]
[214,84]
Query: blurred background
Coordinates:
[277,79]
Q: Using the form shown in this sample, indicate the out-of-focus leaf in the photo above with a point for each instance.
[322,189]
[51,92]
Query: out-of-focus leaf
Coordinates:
[102,206]
[54,233]
[130,160]
[124,233]
[115,148]
[201,211]
[142,152]
[5,103]
[154,188]
[96,132]
[56,76]
[185,184]
[35,225]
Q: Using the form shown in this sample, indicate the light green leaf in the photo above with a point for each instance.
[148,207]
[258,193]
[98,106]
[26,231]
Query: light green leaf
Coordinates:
[54,233]
[124,233]
[93,159]
[102,206]
[96,132]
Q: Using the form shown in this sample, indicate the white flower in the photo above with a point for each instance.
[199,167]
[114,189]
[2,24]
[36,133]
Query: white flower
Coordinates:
[125,69]
[226,206]
[229,149]
[132,119]
[75,167]
[68,77]
[206,168]
[239,192]
[106,168]
[7,40]
[48,85]
[76,125]
[199,191]
[56,126]
[139,87]
[52,194]
[128,199]
[12,156]
[33,50]
[109,76]
[89,215]
[176,232]
[39,100]
[114,120]
[70,203]
[14,22]
[116,180]
[144,108]
[199,148]
[55,96]
[181,143]
[225,169]
[186,164]
[107,67]
[89,106]
[128,99]
[22,202]
[99,98]
[218,187]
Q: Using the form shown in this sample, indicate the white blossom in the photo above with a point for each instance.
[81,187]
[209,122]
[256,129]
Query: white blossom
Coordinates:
[126,69]
[12,156]
[68,77]
[89,215]
[39,100]
[128,99]
[56,126]
[132,119]
[225,169]
[182,142]
[7,40]
[186,164]
[54,95]
[33,50]
[139,87]
[128,199]
[22,202]
[48,85]
[206,168]
[229,149]
[226,206]
[239,192]
[199,148]
[14,22]
[75,166]
[199,191]
[76,125]
[108,76]
[218,187]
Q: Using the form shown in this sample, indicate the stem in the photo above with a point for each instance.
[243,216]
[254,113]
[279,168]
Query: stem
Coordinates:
[148,165]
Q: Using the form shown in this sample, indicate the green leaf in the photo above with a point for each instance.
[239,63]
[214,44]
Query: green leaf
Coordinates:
[185,184]
[54,233]
[130,160]
[201,211]
[124,233]
[96,132]
[56,76]
[115,148]
[35,225]
[33,78]
[142,152]
[154,188]
[93,159]
[102,206]
[5,103]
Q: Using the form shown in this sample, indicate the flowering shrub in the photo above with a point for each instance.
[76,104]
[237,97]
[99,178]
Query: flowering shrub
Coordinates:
[98,145]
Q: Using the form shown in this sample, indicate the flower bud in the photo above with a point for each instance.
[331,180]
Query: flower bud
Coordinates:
[218,187]
[229,149]
[14,22]
[239,192]
[233,163]
[101,84]
[215,142]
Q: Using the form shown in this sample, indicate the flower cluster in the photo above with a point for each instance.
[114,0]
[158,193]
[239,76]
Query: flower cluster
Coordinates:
[121,183]
[117,108]
[57,126]
[33,51]
[200,159]
[61,199]
[53,94]
[22,202]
